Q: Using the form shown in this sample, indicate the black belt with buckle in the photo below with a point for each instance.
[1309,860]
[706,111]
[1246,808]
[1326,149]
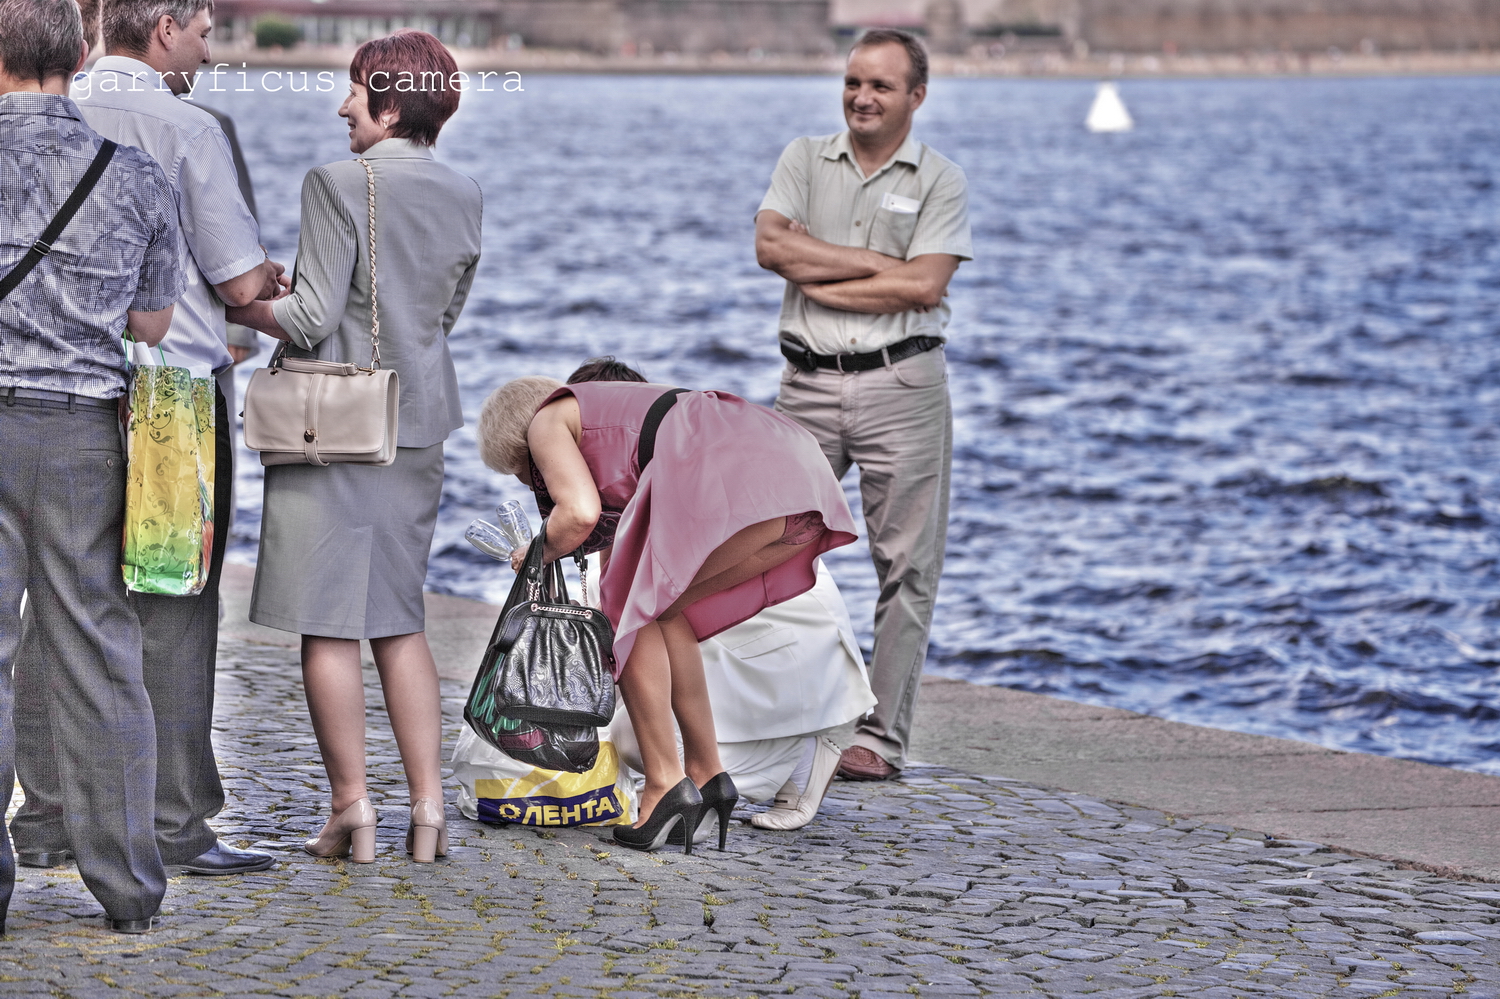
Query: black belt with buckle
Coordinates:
[42,399]
[804,358]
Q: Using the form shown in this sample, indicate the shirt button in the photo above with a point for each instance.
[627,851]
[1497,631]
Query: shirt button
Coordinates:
[856,221]
[853,340]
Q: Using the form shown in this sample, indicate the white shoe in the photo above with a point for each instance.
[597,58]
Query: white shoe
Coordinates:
[793,809]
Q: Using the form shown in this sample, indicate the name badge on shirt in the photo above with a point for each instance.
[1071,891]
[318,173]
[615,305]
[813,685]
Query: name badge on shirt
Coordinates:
[899,205]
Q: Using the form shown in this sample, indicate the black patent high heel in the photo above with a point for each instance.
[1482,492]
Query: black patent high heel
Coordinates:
[678,808]
[719,798]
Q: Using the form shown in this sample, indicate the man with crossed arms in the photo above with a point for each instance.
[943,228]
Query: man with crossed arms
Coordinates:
[868,226]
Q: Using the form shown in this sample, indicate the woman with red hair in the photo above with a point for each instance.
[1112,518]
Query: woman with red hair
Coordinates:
[343,547]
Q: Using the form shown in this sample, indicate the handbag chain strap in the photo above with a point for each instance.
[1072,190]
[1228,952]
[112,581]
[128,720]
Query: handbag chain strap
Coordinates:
[374,297]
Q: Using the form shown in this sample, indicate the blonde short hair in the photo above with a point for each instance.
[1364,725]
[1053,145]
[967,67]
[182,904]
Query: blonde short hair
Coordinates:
[505,419]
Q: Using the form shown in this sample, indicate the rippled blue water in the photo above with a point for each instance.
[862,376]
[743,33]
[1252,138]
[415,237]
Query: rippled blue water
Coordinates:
[1226,386]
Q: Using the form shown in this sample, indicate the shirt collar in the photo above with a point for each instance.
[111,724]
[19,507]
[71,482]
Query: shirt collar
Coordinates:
[27,102]
[398,149]
[910,151]
[130,67]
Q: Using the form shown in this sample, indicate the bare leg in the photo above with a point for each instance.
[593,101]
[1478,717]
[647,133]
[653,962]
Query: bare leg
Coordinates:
[755,550]
[408,677]
[646,685]
[336,701]
[664,679]
[690,705]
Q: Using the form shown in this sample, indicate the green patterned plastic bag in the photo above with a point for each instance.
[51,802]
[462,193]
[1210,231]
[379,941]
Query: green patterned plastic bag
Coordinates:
[169,480]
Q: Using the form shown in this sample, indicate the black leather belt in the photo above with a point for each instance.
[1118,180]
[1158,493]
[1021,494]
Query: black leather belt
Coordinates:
[42,399]
[804,358]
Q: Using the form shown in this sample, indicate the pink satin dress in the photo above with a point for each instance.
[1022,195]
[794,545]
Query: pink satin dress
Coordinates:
[721,464]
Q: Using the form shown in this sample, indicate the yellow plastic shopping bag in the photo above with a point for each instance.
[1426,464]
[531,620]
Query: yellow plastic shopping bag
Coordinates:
[493,787]
[169,479]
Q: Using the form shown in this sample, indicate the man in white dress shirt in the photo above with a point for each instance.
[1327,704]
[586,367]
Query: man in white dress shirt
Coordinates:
[153,51]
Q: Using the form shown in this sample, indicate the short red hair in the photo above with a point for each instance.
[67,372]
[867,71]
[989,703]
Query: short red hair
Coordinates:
[412,73]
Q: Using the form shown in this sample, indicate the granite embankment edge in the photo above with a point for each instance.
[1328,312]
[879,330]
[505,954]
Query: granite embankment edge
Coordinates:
[1414,815]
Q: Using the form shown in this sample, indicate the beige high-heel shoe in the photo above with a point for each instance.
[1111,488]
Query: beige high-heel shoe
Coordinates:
[350,831]
[427,836]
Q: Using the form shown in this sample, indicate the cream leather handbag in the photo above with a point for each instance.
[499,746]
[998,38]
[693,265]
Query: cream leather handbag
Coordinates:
[311,412]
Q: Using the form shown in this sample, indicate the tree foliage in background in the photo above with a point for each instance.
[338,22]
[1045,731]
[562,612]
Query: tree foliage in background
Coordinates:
[276,31]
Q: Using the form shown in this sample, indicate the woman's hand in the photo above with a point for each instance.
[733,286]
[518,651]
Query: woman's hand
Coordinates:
[518,557]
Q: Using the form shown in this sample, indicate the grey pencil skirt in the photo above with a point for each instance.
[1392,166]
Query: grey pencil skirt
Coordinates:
[343,548]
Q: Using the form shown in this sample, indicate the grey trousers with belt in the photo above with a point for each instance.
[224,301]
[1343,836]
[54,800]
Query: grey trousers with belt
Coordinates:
[180,638]
[896,424]
[62,492]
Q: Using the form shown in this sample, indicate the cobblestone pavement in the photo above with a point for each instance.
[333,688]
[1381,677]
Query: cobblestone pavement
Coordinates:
[944,884]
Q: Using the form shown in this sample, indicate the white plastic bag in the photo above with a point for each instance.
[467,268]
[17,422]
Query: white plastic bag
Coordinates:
[495,788]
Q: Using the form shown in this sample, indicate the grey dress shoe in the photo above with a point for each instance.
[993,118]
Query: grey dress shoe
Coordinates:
[222,860]
[44,858]
[131,925]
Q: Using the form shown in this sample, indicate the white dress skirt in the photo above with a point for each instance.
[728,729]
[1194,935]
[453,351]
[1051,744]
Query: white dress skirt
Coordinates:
[343,548]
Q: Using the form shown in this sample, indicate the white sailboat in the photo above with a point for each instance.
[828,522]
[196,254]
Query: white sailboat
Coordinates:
[1108,113]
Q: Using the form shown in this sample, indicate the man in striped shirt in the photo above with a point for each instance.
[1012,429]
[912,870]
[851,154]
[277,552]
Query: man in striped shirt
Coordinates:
[62,470]
[153,51]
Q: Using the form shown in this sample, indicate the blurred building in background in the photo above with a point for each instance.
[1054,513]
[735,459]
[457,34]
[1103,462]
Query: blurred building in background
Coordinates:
[1191,25]
[604,27]
[814,27]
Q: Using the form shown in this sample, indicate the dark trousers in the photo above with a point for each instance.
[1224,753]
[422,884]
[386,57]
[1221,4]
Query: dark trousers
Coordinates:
[180,644]
[62,493]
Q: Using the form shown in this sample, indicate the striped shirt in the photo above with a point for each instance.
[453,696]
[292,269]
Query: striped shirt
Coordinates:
[818,183]
[60,329]
[125,100]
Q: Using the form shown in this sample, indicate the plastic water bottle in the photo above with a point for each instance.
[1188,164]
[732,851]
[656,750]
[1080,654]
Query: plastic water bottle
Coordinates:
[498,540]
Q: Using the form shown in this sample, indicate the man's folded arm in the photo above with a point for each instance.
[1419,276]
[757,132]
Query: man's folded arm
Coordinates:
[919,283]
[258,283]
[784,247]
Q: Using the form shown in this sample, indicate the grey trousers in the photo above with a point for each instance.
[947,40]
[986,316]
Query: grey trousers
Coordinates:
[896,424]
[62,491]
[180,637]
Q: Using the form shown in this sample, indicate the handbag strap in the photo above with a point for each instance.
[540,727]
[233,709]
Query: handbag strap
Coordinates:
[49,236]
[543,585]
[646,449]
[374,296]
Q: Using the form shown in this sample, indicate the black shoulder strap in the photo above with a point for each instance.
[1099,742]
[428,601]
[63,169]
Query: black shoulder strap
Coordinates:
[43,244]
[646,449]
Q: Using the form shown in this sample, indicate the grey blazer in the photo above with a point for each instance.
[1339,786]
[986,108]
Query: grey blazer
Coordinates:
[427,219]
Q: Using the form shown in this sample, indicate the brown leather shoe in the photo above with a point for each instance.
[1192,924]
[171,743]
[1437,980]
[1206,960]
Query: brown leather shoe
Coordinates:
[859,763]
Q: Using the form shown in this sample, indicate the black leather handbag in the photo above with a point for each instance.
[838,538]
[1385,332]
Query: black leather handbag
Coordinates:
[547,677]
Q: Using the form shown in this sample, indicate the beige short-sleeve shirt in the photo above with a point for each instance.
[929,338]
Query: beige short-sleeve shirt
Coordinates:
[818,183]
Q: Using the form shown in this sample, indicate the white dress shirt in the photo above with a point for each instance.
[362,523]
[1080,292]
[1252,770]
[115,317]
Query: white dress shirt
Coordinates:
[125,100]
